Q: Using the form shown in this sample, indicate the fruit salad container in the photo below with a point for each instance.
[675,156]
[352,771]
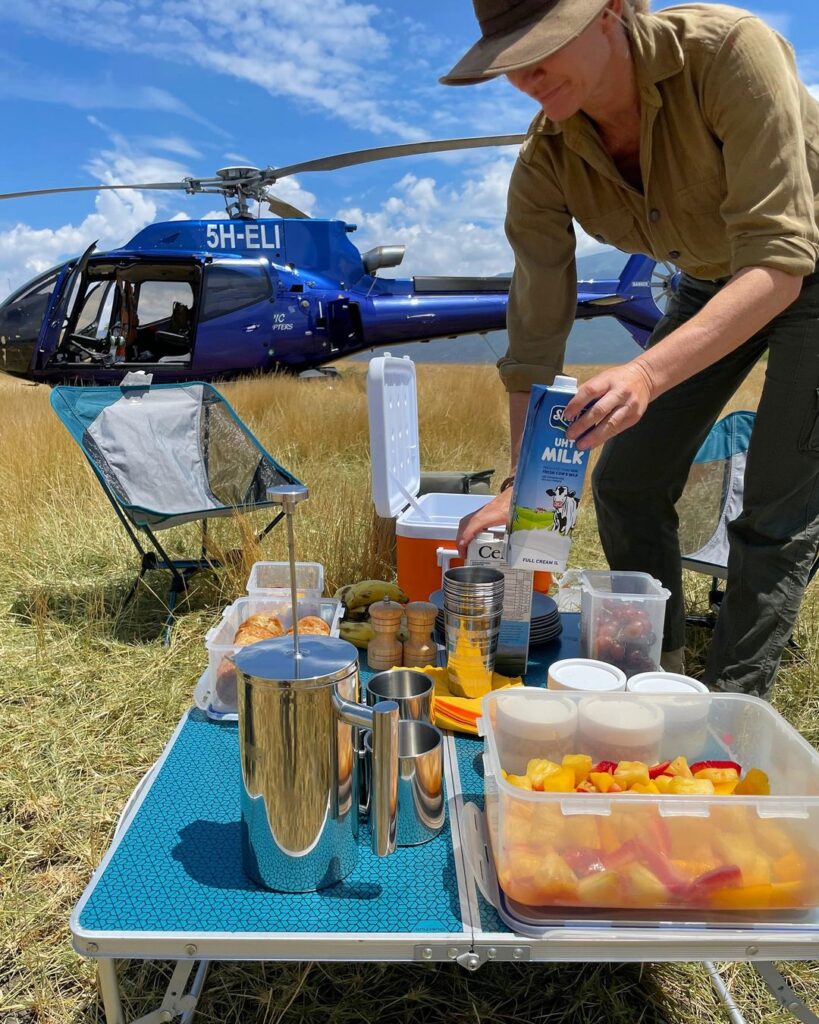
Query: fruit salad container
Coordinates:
[272,579]
[219,640]
[621,619]
[648,837]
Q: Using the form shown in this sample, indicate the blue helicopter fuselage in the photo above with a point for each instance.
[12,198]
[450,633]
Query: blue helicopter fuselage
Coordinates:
[257,295]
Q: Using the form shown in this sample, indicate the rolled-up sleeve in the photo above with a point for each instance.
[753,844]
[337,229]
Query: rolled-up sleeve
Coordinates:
[543,294]
[752,99]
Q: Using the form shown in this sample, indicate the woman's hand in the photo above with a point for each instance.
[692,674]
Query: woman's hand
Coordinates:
[495,513]
[620,396]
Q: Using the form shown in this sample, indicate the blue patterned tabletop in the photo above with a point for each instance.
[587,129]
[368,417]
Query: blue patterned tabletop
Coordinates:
[177,866]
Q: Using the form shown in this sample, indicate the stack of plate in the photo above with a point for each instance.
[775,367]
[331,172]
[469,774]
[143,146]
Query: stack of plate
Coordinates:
[545,623]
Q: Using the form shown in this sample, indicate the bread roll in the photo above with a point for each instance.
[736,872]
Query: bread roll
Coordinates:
[258,627]
[312,624]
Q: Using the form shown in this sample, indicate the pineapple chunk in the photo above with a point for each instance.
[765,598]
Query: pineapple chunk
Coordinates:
[691,787]
[581,765]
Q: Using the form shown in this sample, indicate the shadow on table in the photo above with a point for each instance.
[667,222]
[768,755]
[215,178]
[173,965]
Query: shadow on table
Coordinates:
[211,854]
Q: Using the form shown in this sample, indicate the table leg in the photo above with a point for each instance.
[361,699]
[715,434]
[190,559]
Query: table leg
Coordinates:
[725,996]
[109,990]
[784,994]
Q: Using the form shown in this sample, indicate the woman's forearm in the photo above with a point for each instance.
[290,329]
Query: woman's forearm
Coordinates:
[750,300]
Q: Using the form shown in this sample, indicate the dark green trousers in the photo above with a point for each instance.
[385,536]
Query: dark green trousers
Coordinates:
[773,543]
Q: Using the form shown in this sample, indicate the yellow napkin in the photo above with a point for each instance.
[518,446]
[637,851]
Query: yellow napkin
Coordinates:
[460,714]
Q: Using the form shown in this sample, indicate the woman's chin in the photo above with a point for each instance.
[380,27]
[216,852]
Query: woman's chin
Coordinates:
[560,108]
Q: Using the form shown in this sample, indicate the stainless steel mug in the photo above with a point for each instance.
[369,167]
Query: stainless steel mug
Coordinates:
[299,730]
[420,782]
[411,690]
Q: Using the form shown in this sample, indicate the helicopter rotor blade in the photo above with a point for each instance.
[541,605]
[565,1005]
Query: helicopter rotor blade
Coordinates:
[94,188]
[365,156]
[283,209]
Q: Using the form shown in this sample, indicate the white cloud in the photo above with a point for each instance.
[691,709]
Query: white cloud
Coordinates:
[27,251]
[27,82]
[336,63]
[448,229]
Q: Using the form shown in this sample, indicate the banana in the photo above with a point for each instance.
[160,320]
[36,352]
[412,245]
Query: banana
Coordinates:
[366,592]
[357,633]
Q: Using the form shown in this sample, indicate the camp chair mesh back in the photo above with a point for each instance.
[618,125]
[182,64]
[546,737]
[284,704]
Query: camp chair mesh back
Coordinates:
[169,453]
[712,496]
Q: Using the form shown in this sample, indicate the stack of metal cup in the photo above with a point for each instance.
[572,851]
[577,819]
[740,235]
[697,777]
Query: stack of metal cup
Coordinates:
[473,606]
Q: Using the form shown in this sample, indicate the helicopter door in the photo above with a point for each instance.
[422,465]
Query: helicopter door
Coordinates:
[56,312]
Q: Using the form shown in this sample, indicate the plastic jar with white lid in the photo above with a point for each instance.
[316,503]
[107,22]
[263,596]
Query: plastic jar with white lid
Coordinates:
[527,728]
[585,675]
[620,729]
[686,721]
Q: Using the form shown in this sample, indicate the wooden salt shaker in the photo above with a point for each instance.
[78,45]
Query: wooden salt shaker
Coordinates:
[419,648]
[385,650]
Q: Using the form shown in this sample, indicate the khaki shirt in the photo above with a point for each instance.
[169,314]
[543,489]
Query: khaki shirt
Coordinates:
[729,154]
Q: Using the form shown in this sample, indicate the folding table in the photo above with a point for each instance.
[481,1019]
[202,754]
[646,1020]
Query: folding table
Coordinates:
[171,886]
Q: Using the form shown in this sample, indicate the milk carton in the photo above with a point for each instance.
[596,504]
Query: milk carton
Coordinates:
[548,483]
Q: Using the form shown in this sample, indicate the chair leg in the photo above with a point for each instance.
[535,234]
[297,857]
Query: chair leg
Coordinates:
[709,619]
[148,562]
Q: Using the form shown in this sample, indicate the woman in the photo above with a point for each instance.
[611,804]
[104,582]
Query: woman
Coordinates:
[686,135]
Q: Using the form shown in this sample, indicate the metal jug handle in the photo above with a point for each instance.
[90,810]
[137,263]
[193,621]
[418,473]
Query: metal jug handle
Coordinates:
[384,798]
[383,721]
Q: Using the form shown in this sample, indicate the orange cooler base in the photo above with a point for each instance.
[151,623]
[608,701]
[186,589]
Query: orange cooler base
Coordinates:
[419,574]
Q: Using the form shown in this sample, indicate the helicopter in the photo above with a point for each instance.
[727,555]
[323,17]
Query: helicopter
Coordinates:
[214,299]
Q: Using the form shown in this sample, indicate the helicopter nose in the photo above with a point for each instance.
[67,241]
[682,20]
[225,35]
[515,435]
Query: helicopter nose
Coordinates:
[16,354]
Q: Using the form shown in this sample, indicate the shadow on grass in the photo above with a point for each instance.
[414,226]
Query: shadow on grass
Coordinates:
[102,608]
[500,993]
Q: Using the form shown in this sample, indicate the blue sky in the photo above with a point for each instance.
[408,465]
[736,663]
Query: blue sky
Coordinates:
[146,90]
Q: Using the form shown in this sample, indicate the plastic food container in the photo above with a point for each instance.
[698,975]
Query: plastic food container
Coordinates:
[272,579]
[687,721]
[725,854]
[221,676]
[627,729]
[621,619]
[530,724]
[584,675]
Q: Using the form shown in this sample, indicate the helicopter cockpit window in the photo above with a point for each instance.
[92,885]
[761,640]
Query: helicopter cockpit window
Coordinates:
[230,288]
[136,313]
[21,314]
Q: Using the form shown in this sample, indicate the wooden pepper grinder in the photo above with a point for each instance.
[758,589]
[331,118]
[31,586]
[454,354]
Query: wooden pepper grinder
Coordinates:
[420,649]
[385,650]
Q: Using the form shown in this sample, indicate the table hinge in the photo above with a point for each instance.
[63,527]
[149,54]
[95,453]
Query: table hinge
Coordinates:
[472,957]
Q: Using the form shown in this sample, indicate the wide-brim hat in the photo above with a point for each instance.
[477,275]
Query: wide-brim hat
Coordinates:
[516,33]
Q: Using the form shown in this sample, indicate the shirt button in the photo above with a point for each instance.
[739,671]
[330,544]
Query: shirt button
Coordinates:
[654,215]
[674,254]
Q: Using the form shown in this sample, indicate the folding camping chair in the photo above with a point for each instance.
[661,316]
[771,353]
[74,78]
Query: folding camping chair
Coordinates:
[168,454]
[711,499]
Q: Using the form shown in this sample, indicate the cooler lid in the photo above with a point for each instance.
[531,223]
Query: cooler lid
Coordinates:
[395,459]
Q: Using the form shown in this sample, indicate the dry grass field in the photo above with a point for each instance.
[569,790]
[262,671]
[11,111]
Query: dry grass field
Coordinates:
[90,697]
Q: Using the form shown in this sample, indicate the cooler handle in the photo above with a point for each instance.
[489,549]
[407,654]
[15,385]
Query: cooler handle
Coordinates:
[444,556]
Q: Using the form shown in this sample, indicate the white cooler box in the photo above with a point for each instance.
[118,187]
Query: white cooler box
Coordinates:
[422,524]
